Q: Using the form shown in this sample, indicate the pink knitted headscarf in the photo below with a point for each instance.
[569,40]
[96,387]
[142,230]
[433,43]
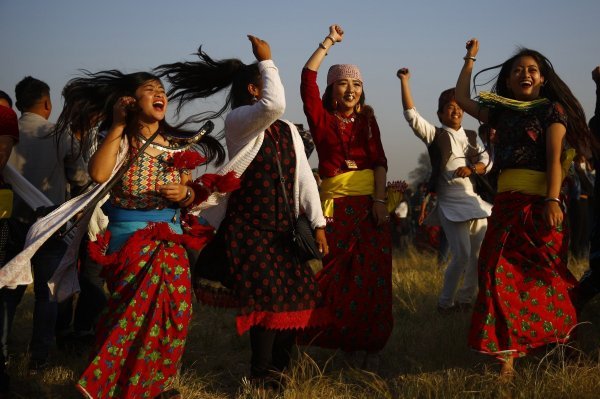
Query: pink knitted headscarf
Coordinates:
[343,71]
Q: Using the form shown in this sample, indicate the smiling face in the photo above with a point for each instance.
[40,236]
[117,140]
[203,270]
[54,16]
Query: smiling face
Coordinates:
[151,101]
[346,93]
[525,79]
[451,115]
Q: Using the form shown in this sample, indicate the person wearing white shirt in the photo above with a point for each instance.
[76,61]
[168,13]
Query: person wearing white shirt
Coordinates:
[460,211]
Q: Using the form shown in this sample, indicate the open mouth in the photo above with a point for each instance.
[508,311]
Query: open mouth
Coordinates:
[525,84]
[158,105]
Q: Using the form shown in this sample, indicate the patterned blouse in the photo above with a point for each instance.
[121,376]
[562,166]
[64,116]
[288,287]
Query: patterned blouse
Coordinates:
[521,136]
[137,188]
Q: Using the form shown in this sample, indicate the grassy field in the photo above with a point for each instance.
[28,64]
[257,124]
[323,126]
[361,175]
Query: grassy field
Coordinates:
[426,356]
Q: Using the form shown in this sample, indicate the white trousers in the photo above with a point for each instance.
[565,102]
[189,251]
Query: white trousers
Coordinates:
[464,239]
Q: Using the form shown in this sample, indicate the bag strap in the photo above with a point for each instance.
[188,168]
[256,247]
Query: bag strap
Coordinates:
[92,204]
[285,197]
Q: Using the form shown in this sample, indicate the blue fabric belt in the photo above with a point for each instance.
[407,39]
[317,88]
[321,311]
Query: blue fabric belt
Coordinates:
[116,214]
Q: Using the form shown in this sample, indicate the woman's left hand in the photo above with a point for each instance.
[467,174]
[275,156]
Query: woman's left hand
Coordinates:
[174,192]
[321,241]
[380,213]
[553,214]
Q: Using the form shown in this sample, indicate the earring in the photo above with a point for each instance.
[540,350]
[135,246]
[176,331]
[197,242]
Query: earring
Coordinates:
[335,104]
[254,99]
[357,108]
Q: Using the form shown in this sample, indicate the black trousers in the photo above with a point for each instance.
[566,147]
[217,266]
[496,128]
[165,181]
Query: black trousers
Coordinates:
[271,350]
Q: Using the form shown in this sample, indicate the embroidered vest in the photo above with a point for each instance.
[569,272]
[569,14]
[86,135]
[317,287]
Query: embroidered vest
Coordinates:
[440,151]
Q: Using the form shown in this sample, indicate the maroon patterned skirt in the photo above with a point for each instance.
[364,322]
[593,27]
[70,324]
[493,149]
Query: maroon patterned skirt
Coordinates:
[356,280]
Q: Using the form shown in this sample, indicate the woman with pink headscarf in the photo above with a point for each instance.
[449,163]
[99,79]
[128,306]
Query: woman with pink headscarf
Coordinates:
[356,277]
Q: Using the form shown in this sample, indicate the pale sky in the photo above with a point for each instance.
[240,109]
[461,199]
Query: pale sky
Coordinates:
[52,40]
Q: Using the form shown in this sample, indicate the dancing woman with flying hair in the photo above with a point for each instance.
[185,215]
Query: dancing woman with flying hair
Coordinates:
[524,299]
[275,293]
[142,332]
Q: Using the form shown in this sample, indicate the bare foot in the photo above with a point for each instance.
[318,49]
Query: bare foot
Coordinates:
[507,372]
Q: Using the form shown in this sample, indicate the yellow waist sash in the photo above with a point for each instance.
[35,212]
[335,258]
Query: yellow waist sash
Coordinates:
[6,203]
[531,182]
[349,184]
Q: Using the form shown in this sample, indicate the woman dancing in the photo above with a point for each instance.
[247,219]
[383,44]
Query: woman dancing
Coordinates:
[356,278]
[524,283]
[142,332]
[275,293]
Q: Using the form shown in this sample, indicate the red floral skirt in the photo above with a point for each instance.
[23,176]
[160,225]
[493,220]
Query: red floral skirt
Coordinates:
[524,283]
[355,280]
[142,333]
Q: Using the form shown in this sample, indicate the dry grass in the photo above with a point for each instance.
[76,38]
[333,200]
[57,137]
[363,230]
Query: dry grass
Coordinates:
[426,357]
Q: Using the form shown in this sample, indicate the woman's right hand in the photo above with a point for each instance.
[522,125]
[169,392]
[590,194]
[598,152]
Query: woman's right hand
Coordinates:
[336,32]
[472,47]
[260,48]
[121,109]
[403,74]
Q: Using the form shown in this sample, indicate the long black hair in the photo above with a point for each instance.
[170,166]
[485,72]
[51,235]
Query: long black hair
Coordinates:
[89,101]
[578,134]
[191,80]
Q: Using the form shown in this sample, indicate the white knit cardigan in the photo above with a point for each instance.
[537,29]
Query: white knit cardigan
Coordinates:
[244,134]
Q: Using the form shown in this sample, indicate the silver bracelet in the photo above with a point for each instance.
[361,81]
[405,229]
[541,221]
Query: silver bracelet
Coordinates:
[188,195]
[468,57]
[553,199]
[379,200]
[332,39]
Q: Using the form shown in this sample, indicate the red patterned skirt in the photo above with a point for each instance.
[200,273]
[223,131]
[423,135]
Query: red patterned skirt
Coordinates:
[141,335]
[524,283]
[356,280]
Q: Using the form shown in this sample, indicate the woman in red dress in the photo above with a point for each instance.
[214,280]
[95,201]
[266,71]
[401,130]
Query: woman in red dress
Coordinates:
[524,283]
[142,331]
[356,278]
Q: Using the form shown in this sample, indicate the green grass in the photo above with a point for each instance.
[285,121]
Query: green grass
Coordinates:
[426,356]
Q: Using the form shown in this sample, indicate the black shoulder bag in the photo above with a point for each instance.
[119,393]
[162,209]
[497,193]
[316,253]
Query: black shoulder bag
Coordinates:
[302,233]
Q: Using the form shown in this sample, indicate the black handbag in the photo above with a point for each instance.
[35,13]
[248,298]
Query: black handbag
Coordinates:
[302,233]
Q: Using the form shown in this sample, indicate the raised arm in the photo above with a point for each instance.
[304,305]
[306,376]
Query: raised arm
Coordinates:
[246,122]
[336,34]
[422,128]
[407,100]
[463,85]
[104,159]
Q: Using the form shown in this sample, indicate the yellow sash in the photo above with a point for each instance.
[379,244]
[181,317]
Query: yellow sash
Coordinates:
[349,184]
[6,203]
[532,182]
